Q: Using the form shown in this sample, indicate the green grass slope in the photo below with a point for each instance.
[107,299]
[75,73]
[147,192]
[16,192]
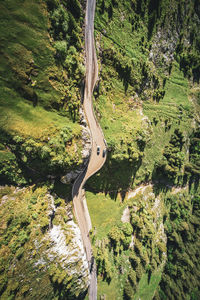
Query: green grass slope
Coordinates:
[39,98]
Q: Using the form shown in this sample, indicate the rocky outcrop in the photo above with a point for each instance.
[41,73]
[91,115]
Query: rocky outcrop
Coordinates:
[69,255]
[163,49]
[70,177]
[86,137]
[43,245]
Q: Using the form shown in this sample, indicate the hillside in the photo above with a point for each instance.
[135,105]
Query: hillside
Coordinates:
[147,101]
[145,201]
[41,75]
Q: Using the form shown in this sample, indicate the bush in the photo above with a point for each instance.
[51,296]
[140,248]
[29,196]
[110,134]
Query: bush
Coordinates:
[22,237]
[34,216]
[44,223]
[127,229]
[132,277]
[58,201]
[115,236]
[9,170]
[19,253]
[33,199]
[128,290]
[61,49]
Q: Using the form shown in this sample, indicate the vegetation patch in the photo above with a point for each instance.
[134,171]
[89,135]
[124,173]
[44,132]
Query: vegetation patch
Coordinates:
[40,94]
[125,252]
[30,219]
[180,278]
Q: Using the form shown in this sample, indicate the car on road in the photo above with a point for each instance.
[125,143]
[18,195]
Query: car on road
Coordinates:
[98,150]
[104,153]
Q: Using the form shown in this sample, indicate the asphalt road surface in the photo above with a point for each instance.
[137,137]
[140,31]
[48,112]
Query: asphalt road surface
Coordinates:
[96,160]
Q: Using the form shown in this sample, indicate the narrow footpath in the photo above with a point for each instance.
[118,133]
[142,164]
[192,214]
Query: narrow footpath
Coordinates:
[96,158]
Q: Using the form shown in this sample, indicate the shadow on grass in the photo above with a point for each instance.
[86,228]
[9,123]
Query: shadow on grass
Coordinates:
[115,177]
[162,183]
[62,190]
[63,293]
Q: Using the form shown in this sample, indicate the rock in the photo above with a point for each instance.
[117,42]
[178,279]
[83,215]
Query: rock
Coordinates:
[69,177]
[86,138]
[4,200]
[163,47]
[126,215]
[71,256]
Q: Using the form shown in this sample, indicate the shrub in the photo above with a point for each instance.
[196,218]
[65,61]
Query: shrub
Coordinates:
[128,290]
[58,201]
[44,223]
[132,277]
[22,237]
[9,170]
[33,199]
[19,253]
[34,216]
[61,49]
[115,235]
[127,229]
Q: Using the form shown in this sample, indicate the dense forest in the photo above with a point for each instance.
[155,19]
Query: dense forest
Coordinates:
[145,202]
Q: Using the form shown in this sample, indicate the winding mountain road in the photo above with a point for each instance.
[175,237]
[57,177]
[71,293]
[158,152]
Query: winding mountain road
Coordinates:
[96,160]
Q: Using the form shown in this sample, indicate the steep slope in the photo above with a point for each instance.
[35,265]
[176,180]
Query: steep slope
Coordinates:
[42,255]
[41,75]
[144,203]
[147,103]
